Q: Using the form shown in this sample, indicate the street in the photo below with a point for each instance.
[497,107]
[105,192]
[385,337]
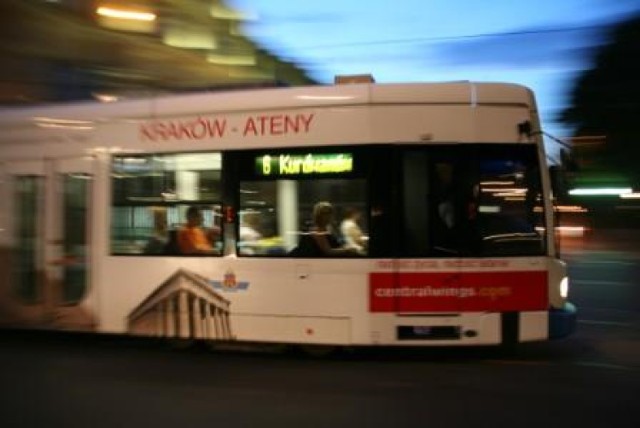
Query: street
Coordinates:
[604,269]
[591,379]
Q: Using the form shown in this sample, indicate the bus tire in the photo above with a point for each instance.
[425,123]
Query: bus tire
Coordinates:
[180,344]
[510,331]
[318,351]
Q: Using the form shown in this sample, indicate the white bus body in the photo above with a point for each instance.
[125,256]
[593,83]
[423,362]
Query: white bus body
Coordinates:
[81,184]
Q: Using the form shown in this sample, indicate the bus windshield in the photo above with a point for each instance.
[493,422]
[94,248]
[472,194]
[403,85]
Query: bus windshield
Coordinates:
[472,200]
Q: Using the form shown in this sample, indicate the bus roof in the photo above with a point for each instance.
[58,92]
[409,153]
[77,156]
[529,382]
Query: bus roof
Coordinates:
[467,93]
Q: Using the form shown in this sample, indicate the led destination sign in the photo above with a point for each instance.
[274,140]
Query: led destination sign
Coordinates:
[290,164]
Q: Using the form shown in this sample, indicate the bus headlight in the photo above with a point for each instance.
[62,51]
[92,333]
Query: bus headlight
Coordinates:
[564,287]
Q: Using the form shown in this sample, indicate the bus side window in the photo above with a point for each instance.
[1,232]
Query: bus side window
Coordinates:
[275,216]
[151,196]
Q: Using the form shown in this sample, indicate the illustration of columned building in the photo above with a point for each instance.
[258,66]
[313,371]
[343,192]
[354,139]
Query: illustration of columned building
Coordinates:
[183,306]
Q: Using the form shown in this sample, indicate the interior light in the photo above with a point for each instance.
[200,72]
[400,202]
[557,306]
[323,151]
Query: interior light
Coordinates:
[571,231]
[502,189]
[497,183]
[489,209]
[570,209]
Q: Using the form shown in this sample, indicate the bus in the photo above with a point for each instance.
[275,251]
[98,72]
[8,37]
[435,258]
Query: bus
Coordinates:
[444,186]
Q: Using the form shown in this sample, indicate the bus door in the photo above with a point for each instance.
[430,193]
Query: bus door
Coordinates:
[428,273]
[49,240]
[68,250]
[423,276]
[22,263]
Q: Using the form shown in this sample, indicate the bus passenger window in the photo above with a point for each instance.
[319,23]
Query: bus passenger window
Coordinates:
[276,216]
[154,197]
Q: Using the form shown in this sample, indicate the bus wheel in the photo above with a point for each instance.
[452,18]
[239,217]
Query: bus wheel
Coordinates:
[179,343]
[510,325]
[318,351]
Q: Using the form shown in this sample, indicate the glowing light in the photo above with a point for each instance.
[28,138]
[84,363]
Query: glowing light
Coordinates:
[106,98]
[48,122]
[222,12]
[113,149]
[570,209]
[564,287]
[126,14]
[293,164]
[631,195]
[61,121]
[497,183]
[508,195]
[189,38]
[489,209]
[504,189]
[240,60]
[571,231]
[603,191]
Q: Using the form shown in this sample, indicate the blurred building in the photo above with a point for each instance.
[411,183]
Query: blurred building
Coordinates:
[598,187]
[589,164]
[62,50]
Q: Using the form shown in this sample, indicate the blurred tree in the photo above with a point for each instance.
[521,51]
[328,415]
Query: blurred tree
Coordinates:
[606,101]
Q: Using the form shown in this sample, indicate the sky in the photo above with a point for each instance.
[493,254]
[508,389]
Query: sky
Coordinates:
[543,44]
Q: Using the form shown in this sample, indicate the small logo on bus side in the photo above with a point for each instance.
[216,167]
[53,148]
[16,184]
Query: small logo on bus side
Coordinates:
[229,283]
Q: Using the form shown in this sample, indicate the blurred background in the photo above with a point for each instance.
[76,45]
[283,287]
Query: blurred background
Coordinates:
[581,57]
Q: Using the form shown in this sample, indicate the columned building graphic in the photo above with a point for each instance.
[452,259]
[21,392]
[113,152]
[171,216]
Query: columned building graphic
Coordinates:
[183,306]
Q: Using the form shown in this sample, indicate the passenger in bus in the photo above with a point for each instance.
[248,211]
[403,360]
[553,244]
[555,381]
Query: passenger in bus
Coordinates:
[445,194]
[249,235]
[455,231]
[351,231]
[192,238]
[444,229]
[320,241]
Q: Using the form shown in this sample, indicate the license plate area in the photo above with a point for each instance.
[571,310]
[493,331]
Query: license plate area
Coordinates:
[414,332]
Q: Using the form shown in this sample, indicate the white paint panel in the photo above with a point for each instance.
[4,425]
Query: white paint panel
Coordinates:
[534,326]
[313,330]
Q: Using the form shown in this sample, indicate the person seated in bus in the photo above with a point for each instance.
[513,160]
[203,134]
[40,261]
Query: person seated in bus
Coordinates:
[320,241]
[249,235]
[445,224]
[351,231]
[455,231]
[192,238]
